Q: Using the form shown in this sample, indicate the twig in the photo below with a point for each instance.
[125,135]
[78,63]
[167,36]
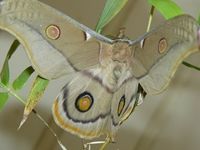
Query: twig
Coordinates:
[10,91]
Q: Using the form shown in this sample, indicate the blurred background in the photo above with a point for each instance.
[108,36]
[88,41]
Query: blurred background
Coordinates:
[166,121]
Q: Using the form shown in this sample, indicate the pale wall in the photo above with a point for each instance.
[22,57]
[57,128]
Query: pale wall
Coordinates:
[166,121]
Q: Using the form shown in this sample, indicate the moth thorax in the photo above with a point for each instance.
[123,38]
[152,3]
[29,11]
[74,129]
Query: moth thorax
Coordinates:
[121,52]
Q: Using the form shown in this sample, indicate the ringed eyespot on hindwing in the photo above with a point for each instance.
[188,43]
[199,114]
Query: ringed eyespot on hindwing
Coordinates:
[84,102]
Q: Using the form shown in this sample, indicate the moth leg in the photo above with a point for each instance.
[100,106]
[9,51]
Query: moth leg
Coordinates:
[106,142]
[87,146]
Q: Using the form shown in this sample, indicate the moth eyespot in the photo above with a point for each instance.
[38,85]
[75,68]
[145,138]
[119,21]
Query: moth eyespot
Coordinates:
[53,32]
[162,46]
[121,105]
[84,102]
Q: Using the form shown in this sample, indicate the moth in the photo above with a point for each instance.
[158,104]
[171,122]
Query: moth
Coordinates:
[110,76]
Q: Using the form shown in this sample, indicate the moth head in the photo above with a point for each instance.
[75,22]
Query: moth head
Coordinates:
[121,52]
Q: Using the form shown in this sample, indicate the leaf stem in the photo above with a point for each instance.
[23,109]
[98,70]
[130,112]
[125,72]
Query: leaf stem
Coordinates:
[150,18]
[190,65]
[9,90]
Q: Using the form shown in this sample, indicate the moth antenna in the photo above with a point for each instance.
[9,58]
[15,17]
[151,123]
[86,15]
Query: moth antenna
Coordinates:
[121,33]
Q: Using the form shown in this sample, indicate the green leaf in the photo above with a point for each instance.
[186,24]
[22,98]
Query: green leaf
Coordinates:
[22,78]
[199,19]
[12,49]
[5,73]
[111,9]
[191,66]
[167,8]
[35,94]
[3,99]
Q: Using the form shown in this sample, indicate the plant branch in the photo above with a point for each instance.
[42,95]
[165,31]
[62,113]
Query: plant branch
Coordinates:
[9,90]
[190,65]
[13,93]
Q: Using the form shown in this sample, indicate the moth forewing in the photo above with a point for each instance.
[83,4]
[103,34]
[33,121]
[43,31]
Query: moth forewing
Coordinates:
[108,75]
[53,41]
[164,48]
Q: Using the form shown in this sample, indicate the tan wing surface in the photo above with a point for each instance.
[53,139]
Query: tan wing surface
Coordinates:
[83,107]
[158,54]
[55,43]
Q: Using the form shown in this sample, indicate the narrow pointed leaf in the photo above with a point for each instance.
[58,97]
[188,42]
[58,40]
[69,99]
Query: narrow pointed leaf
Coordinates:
[167,8]
[111,9]
[22,78]
[35,95]
[5,73]
[12,49]
[3,99]
[199,19]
